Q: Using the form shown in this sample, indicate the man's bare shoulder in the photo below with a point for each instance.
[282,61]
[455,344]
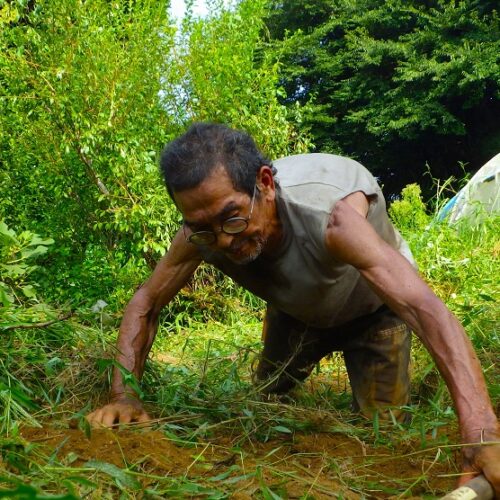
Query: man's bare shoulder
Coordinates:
[349,236]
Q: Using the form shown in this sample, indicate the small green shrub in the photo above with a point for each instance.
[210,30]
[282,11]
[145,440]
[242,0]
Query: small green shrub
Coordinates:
[409,213]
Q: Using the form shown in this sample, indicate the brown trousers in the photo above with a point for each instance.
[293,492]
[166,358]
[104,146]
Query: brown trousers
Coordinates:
[376,350]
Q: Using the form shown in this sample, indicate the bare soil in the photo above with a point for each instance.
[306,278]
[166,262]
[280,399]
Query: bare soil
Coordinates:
[303,465]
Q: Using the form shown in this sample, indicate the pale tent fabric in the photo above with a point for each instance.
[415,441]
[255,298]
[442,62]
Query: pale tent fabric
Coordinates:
[481,195]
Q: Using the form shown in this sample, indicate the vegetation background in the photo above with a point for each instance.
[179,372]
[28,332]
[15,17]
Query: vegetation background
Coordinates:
[91,90]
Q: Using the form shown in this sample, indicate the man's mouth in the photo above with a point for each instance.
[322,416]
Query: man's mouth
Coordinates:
[234,252]
[236,249]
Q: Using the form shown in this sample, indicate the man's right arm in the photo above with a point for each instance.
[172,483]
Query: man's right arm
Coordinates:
[138,330]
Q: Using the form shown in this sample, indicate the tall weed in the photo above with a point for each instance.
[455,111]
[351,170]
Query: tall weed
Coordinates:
[461,263]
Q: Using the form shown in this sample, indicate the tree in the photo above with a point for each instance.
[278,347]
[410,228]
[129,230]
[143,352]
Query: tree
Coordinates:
[81,123]
[229,76]
[91,91]
[396,84]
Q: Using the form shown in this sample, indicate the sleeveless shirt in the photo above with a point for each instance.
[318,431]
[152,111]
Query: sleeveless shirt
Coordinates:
[304,280]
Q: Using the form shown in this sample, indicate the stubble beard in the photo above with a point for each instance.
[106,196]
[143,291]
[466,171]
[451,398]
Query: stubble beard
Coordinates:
[259,244]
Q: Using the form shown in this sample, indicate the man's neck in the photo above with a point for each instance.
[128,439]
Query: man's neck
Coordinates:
[276,233]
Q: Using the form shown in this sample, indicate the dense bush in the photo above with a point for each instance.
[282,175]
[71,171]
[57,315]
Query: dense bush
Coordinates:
[91,92]
[24,349]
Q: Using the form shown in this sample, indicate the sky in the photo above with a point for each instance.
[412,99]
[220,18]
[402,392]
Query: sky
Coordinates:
[177,8]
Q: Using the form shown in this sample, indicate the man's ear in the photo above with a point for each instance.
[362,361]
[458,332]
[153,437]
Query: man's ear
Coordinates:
[265,182]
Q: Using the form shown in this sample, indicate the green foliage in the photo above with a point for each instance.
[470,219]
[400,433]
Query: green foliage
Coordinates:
[32,339]
[27,492]
[460,263]
[17,292]
[409,212]
[229,77]
[82,114]
[18,305]
[91,91]
[395,83]
[81,123]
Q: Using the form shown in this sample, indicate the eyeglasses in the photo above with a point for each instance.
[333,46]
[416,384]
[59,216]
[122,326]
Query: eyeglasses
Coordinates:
[233,225]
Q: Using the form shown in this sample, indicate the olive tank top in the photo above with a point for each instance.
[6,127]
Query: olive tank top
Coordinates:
[304,280]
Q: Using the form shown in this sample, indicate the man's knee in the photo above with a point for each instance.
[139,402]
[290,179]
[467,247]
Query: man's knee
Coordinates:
[379,373]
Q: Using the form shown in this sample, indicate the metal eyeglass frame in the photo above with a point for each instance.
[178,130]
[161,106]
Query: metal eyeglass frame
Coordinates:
[210,237]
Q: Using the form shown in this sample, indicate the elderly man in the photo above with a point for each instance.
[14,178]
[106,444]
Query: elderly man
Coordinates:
[311,236]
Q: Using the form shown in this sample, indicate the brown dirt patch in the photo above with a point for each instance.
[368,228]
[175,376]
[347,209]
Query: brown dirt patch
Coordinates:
[318,464]
[122,448]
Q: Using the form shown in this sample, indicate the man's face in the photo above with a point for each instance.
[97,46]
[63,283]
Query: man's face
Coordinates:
[207,206]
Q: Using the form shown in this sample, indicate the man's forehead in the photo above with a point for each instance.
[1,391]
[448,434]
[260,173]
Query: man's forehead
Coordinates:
[210,201]
[218,177]
[217,183]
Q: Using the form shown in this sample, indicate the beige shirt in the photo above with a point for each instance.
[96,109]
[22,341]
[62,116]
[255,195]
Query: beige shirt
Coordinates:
[304,280]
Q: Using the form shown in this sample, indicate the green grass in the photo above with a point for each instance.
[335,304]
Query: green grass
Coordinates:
[234,441]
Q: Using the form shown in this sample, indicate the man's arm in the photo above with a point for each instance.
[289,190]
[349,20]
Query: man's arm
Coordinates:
[139,327]
[352,239]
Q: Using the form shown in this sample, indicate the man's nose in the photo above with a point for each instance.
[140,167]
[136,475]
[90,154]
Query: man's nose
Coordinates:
[224,240]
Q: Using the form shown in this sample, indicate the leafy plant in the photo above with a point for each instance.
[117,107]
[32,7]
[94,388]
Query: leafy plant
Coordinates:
[35,342]
[16,288]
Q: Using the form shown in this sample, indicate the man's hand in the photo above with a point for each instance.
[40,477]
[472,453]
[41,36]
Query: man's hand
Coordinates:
[124,411]
[483,459]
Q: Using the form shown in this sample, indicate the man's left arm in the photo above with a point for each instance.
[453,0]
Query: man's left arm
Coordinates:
[351,239]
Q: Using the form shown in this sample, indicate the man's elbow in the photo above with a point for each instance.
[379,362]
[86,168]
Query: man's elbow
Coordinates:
[143,303]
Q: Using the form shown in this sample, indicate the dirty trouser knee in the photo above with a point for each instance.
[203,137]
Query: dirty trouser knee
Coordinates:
[376,350]
[377,363]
